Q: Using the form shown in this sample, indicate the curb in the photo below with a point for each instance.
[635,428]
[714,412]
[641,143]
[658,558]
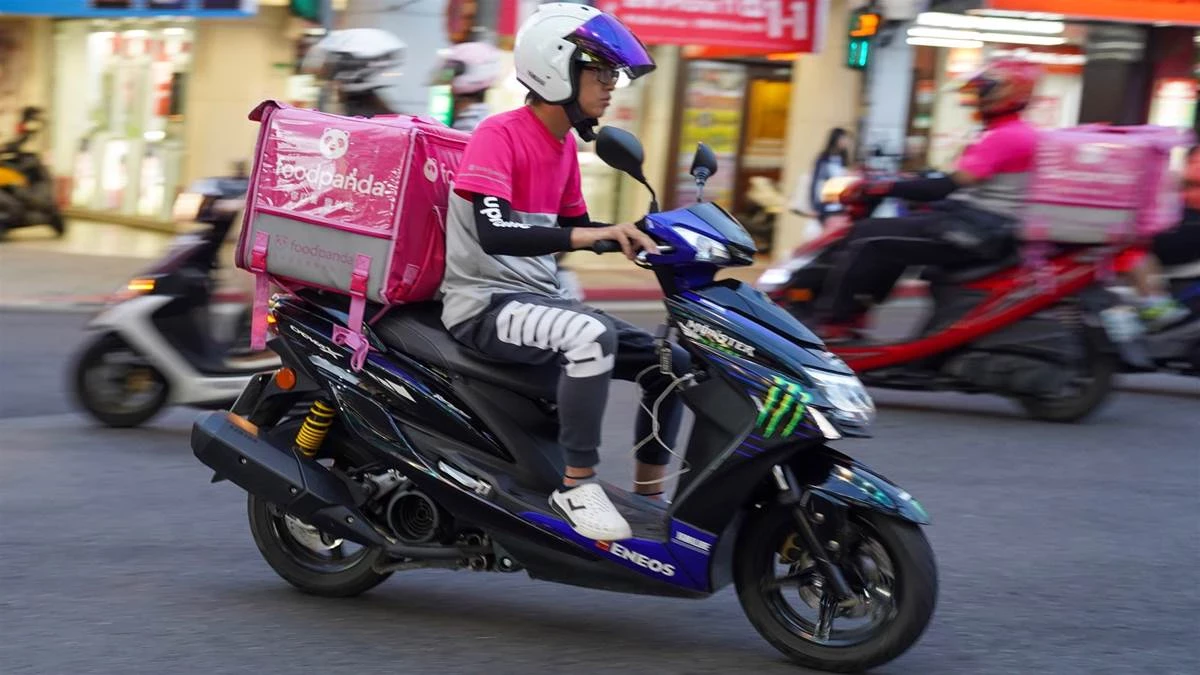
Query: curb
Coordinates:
[905,289]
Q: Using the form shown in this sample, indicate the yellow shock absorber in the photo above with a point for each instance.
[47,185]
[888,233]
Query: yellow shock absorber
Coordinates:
[316,425]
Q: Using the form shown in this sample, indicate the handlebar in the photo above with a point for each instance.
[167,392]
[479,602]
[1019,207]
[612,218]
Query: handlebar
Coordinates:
[606,246]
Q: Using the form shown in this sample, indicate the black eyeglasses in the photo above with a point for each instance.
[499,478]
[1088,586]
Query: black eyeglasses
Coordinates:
[604,75]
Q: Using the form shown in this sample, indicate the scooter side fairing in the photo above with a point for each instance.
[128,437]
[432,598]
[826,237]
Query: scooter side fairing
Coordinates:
[418,436]
[134,321]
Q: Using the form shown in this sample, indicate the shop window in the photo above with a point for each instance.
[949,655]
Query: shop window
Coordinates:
[119,103]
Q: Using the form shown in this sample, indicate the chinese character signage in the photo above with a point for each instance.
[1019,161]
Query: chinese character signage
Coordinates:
[757,26]
[745,26]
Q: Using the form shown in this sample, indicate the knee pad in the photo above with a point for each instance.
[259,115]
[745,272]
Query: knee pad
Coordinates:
[588,344]
[586,341]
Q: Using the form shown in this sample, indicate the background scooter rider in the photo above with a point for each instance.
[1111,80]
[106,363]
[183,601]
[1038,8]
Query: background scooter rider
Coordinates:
[361,63]
[970,221]
[470,68]
[517,202]
[1179,246]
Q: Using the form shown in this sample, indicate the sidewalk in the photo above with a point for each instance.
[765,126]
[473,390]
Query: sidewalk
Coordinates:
[95,259]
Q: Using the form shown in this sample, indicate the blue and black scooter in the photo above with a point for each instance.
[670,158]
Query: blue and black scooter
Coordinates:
[430,456]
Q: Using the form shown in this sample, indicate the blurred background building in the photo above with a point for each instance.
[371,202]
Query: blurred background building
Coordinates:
[145,95]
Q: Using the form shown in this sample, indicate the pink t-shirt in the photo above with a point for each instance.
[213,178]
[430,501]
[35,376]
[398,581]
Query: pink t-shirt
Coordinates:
[1007,147]
[515,157]
[1002,161]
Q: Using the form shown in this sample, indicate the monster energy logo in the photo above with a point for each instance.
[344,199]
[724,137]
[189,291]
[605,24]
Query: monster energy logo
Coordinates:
[782,397]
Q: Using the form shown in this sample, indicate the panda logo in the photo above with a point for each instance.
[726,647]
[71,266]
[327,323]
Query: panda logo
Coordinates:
[431,170]
[334,143]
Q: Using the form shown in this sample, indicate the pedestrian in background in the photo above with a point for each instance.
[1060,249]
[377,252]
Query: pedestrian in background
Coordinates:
[834,161]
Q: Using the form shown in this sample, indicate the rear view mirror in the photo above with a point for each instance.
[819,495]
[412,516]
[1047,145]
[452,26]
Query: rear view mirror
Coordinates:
[623,151]
[704,164]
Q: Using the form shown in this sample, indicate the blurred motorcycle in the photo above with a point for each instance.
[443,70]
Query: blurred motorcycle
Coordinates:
[26,186]
[161,340]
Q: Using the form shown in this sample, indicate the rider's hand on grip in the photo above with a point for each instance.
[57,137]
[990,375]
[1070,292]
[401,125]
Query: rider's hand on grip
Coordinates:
[629,237]
[606,246]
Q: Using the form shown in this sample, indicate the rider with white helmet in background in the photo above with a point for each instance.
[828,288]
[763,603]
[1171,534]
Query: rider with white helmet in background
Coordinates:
[517,201]
[470,68]
[362,63]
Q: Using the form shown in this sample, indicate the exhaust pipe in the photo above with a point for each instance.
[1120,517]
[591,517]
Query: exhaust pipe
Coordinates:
[233,448]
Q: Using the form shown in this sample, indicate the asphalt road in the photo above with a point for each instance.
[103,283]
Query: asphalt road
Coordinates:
[1064,549]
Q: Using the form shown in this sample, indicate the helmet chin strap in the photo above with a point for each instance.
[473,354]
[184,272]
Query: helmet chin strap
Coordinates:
[584,126]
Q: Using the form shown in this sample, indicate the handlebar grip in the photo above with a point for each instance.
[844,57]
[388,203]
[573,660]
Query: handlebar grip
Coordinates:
[606,246]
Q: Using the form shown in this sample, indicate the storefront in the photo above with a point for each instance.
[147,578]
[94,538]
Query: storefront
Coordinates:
[119,102]
[146,95]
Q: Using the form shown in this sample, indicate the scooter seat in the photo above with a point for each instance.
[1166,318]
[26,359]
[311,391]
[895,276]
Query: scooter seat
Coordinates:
[963,275]
[416,330]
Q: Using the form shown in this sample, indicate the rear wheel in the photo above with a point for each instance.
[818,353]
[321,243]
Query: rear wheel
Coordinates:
[889,566]
[309,559]
[116,385]
[1089,386]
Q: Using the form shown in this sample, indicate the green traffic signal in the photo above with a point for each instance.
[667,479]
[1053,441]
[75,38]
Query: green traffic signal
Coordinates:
[859,53]
[306,9]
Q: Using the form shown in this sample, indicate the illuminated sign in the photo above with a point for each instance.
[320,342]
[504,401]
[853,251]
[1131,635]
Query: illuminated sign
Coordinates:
[865,25]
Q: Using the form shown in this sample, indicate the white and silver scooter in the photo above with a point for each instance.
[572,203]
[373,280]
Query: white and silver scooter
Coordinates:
[162,340]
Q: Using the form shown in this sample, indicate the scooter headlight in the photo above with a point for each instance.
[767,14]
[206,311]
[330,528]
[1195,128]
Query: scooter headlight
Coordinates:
[187,206]
[846,394]
[779,275]
[707,248]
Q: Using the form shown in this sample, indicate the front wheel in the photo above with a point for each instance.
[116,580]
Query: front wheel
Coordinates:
[309,559]
[889,565]
[116,385]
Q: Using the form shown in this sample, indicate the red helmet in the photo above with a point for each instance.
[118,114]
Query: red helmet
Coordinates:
[1003,87]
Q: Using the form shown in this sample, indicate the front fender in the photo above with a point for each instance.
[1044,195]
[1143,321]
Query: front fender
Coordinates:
[841,478]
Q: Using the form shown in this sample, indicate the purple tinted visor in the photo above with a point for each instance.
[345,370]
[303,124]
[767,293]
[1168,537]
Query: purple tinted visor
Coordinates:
[605,38]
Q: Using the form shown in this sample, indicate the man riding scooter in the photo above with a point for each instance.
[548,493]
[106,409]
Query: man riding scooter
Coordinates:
[967,222]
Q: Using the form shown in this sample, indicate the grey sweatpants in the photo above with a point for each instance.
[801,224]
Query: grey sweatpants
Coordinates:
[593,347]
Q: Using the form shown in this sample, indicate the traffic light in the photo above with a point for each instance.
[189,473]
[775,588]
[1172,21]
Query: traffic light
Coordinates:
[306,9]
[863,27]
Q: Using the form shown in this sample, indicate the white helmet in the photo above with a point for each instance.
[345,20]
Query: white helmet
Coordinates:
[469,68]
[358,59]
[559,37]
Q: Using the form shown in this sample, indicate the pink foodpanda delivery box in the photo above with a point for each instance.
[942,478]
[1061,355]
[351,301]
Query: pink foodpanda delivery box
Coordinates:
[347,204]
[1097,184]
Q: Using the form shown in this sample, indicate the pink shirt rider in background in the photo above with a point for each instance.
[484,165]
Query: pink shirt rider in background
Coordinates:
[985,188]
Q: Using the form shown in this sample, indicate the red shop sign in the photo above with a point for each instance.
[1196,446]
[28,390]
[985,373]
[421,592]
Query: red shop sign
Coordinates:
[742,26]
[755,26]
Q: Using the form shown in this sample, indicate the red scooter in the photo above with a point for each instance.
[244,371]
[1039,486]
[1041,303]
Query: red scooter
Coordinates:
[1049,336]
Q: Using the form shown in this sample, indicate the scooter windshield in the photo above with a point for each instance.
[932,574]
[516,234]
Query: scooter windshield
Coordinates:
[725,225]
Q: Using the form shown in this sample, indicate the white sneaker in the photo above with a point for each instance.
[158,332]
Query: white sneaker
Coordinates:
[589,512]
